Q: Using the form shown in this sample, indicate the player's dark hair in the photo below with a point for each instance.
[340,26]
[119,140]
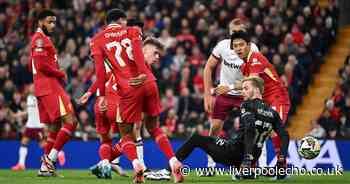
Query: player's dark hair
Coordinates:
[256,82]
[155,42]
[45,13]
[114,15]
[240,35]
[135,22]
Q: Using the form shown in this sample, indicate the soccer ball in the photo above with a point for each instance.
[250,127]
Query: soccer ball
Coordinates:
[309,148]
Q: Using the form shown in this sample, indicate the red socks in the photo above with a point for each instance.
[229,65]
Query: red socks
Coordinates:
[116,151]
[162,141]
[63,135]
[51,137]
[105,151]
[128,147]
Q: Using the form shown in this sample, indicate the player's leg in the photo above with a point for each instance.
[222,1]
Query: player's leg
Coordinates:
[22,153]
[282,110]
[220,112]
[103,168]
[219,149]
[64,134]
[116,152]
[139,142]
[105,149]
[216,126]
[223,105]
[105,153]
[62,109]
[42,144]
[151,108]
[152,126]
[113,101]
[215,147]
[53,127]
[127,143]
[51,136]
[117,168]
[130,111]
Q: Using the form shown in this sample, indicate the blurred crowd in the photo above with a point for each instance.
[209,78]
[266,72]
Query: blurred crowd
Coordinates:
[294,35]
[334,122]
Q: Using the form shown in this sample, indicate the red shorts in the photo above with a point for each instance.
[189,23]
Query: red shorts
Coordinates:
[34,133]
[54,106]
[134,101]
[281,104]
[282,110]
[107,121]
[224,104]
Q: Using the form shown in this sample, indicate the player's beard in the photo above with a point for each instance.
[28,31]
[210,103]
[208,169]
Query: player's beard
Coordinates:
[46,32]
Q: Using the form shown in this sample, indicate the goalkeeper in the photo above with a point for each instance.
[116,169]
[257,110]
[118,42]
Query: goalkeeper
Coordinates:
[243,150]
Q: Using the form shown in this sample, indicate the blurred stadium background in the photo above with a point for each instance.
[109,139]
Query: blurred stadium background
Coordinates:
[308,41]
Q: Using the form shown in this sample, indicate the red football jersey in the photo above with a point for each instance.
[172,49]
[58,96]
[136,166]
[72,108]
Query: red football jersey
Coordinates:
[122,47]
[273,86]
[43,64]
[111,82]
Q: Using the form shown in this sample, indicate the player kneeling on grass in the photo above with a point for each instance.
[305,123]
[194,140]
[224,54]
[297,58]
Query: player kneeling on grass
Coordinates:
[243,150]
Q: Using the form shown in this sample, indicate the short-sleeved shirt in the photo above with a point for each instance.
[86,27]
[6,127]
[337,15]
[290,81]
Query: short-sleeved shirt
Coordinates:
[230,70]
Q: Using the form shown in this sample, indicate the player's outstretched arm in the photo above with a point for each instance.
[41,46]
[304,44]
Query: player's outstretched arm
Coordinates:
[224,89]
[100,75]
[83,99]
[98,58]
[136,45]
[208,83]
[92,89]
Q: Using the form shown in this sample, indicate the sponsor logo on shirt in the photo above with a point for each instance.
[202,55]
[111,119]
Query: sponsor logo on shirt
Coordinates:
[231,65]
[255,62]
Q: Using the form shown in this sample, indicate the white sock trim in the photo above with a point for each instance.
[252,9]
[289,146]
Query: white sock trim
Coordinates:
[211,162]
[172,161]
[53,155]
[23,151]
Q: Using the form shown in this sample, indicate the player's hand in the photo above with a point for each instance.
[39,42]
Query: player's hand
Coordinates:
[137,81]
[102,103]
[83,99]
[238,85]
[65,78]
[208,103]
[222,89]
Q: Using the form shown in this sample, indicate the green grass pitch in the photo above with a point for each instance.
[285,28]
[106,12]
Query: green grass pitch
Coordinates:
[84,177]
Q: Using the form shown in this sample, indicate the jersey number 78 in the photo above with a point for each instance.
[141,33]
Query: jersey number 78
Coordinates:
[123,44]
